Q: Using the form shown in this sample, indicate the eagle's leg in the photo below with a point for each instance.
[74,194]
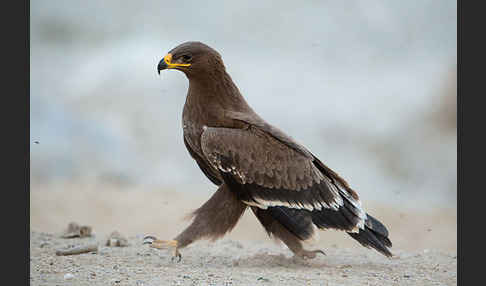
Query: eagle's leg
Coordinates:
[275,229]
[212,220]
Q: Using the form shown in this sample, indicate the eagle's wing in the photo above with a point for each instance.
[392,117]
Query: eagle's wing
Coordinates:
[203,165]
[266,172]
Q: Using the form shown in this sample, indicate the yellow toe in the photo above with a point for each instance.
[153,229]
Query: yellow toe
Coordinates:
[164,244]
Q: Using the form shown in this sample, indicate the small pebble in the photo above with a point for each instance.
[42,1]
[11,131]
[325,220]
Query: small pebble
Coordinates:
[68,276]
[116,239]
[43,244]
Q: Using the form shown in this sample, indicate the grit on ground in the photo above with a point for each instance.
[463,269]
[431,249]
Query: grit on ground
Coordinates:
[424,244]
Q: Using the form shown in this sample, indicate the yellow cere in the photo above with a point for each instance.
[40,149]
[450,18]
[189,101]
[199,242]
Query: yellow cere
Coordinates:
[168,59]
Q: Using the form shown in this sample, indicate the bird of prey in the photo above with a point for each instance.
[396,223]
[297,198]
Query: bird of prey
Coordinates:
[256,165]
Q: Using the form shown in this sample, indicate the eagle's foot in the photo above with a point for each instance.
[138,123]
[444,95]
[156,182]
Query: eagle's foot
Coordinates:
[164,244]
[309,254]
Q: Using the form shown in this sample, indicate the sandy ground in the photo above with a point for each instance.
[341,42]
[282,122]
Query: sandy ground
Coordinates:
[424,244]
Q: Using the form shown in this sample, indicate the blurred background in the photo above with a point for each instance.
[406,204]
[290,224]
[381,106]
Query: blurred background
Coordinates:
[368,86]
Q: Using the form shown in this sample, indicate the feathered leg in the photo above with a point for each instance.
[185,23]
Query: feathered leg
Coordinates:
[212,220]
[278,230]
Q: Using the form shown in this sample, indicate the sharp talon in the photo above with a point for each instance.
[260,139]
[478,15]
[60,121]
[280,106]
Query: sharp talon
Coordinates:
[178,256]
[149,239]
[320,251]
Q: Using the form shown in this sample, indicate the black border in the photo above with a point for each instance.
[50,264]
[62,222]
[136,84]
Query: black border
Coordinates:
[15,210]
[470,142]
[27,122]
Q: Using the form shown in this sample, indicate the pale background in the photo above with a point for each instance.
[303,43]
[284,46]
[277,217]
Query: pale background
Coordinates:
[368,86]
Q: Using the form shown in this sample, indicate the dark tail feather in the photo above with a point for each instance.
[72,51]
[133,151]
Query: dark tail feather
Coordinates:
[374,235]
[298,222]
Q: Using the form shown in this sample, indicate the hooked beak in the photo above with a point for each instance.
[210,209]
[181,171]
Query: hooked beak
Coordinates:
[162,66]
[166,63]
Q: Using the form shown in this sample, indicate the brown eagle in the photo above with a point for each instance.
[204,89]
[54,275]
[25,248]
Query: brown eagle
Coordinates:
[254,164]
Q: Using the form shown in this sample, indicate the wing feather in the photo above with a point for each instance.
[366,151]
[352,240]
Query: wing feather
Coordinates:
[203,165]
[265,172]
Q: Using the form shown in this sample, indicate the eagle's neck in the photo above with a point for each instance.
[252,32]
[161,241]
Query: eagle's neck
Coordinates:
[209,97]
[209,103]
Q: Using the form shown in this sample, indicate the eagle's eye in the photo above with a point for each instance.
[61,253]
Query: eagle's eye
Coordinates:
[186,58]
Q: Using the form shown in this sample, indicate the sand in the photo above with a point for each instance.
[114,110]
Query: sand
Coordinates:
[424,245]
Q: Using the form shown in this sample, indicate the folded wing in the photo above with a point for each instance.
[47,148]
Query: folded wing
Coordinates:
[268,173]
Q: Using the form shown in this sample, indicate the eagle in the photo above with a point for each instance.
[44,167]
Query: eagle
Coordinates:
[255,165]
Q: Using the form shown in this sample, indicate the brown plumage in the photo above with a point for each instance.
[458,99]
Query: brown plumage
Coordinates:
[289,190]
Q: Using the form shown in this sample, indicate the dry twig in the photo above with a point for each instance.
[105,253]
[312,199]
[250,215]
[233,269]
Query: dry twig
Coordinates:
[78,249]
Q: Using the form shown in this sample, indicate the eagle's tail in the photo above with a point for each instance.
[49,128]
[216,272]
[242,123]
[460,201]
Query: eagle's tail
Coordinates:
[300,223]
[374,235]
